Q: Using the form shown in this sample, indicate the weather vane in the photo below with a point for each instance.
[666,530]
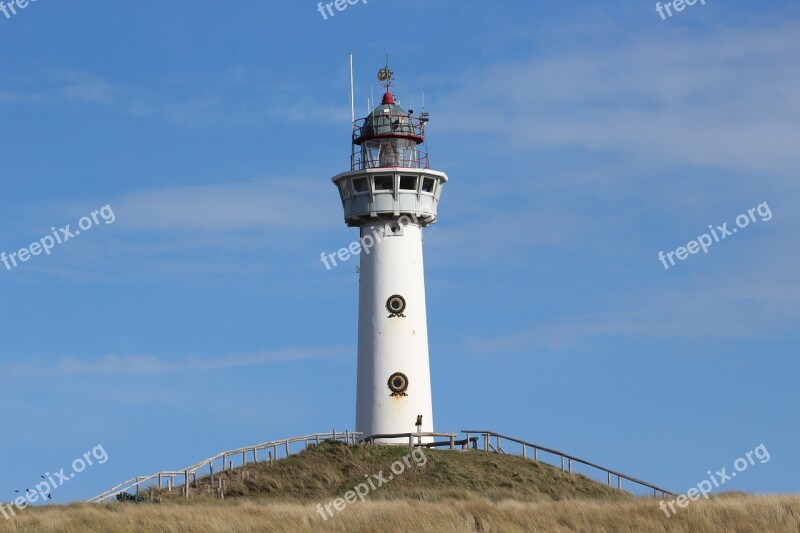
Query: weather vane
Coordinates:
[385,75]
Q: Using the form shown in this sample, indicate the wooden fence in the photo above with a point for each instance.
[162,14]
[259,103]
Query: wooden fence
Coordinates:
[566,459]
[274,450]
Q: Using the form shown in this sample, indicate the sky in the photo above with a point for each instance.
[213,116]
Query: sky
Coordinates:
[580,140]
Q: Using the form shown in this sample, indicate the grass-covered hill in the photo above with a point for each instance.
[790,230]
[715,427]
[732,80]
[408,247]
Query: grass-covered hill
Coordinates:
[440,491]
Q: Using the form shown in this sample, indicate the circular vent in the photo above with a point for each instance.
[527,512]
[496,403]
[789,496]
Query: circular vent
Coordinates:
[398,383]
[396,304]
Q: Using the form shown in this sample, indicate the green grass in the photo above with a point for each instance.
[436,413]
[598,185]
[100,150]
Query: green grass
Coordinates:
[330,469]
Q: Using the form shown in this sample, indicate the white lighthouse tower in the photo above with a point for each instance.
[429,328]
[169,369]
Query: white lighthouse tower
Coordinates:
[391,195]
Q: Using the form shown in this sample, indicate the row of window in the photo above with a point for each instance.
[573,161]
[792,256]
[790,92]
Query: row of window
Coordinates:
[386,183]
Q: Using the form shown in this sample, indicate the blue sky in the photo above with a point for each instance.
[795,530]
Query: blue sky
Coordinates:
[580,139]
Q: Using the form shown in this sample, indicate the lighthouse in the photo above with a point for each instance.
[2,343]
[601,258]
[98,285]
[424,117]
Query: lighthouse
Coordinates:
[391,195]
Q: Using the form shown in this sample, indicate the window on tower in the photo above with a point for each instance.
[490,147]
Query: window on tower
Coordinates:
[360,185]
[408,183]
[392,152]
[384,183]
[428,184]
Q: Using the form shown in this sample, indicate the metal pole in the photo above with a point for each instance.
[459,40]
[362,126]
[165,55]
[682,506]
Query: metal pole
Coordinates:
[352,93]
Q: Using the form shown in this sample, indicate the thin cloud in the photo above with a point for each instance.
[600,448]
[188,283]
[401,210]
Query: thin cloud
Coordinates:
[113,364]
[727,98]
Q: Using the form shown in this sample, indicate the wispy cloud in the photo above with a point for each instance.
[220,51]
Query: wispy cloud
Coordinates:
[727,98]
[739,305]
[145,364]
[274,204]
[185,99]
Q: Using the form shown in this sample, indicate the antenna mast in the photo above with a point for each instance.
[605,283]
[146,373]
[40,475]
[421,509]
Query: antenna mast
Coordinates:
[352,111]
[352,92]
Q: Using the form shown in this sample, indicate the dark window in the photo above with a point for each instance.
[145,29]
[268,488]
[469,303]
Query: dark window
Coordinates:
[360,185]
[384,183]
[427,185]
[408,183]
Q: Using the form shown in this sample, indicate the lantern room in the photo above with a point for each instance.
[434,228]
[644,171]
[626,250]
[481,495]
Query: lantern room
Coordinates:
[389,137]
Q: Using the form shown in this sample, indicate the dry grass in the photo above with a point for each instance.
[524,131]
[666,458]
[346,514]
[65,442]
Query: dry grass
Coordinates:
[454,492]
[743,514]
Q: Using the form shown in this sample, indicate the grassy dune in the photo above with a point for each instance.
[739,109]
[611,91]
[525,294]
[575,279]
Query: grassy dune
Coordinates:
[452,492]
[742,514]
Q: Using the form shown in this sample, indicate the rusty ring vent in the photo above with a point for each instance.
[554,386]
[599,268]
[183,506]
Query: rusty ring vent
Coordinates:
[398,383]
[396,305]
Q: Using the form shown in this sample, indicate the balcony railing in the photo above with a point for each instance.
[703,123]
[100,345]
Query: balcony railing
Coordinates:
[361,161]
[388,124]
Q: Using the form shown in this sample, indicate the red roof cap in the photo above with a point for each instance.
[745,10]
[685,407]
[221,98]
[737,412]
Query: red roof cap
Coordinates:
[388,98]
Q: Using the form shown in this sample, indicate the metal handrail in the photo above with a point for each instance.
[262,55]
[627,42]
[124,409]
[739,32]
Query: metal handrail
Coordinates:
[411,437]
[388,124]
[353,437]
[359,162]
[620,476]
[136,482]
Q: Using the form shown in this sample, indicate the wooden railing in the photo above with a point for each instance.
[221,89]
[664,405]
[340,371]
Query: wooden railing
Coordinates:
[411,438]
[415,439]
[227,459]
[566,459]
